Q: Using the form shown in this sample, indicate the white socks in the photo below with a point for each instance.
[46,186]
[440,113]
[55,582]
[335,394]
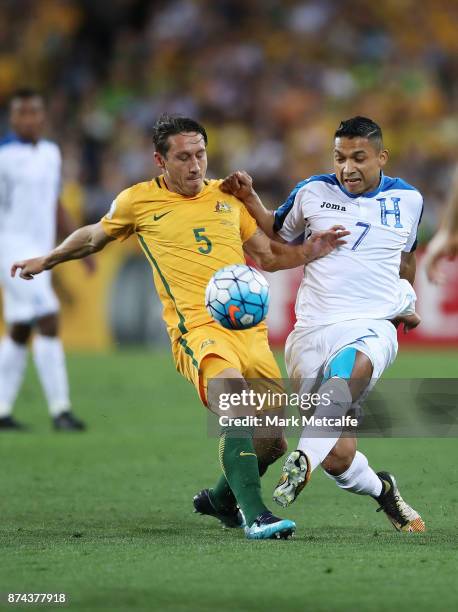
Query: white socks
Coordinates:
[49,357]
[360,478]
[13,359]
[336,394]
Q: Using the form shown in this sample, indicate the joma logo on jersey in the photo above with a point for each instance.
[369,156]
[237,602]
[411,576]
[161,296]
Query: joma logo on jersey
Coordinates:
[333,206]
[222,207]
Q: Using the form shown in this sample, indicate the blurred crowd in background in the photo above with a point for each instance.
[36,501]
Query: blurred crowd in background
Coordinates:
[270,80]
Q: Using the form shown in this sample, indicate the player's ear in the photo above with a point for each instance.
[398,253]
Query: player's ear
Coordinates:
[383,157]
[159,160]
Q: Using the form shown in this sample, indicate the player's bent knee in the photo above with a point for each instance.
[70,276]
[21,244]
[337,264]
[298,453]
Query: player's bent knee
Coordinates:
[20,332]
[48,325]
[337,465]
[340,457]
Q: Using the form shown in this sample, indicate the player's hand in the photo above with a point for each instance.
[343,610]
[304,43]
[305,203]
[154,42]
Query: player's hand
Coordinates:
[321,244]
[410,321]
[29,267]
[90,264]
[442,245]
[239,184]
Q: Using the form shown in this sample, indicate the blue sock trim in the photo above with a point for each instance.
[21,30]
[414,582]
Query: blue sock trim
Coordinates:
[341,365]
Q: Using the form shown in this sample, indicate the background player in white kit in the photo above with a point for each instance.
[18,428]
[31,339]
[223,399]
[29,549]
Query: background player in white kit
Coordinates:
[344,338]
[30,176]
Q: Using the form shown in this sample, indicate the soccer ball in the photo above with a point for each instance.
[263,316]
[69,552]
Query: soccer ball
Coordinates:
[237,297]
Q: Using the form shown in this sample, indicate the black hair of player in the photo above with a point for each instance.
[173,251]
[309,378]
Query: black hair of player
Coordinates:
[169,125]
[25,93]
[361,127]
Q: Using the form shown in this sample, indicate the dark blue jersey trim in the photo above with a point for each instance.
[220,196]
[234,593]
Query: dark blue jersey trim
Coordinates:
[282,212]
[396,183]
[415,244]
[386,183]
[12,138]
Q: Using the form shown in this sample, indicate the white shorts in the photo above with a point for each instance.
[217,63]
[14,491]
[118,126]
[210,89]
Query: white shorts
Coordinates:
[309,350]
[25,301]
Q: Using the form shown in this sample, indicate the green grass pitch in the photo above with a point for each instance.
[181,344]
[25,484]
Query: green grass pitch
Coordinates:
[106,516]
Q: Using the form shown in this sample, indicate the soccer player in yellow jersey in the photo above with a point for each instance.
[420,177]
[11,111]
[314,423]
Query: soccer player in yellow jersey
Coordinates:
[188,229]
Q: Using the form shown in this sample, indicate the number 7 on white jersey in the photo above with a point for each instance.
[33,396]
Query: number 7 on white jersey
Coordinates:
[367,227]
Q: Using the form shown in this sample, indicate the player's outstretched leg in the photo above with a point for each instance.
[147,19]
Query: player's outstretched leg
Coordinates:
[240,466]
[239,463]
[312,449]
[220,501]
[402,516]
[360,478]
[351,471]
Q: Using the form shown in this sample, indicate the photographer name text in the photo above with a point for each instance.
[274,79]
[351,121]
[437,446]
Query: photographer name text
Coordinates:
[293,421]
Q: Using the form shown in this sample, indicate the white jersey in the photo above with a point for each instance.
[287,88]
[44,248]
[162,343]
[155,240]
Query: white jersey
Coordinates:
[30,176]
[359,280]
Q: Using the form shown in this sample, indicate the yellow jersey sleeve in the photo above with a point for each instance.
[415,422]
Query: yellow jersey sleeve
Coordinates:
[247,224]
[119,222]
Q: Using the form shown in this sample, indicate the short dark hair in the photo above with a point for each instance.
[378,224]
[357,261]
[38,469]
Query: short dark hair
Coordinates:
[360,127]
[169,125]
[25,93]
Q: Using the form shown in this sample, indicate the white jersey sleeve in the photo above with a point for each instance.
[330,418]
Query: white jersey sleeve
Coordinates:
[411,243]
[289,221]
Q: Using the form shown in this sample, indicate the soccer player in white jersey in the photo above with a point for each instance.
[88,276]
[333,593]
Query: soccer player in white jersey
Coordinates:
[30,176]
[344,337]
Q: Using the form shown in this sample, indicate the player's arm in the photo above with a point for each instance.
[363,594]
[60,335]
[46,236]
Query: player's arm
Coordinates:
[272,256]
[408,266]
[445,241]
[407,270]
[65,227]
[81,243]
[240,185]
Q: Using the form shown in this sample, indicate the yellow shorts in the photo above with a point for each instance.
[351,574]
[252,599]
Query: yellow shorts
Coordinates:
[205,351]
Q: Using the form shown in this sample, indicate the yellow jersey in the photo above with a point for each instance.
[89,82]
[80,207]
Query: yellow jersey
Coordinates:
[185,239]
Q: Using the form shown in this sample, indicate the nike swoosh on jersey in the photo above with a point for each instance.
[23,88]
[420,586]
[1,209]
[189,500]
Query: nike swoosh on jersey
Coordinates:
[157,217]
[244,454]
